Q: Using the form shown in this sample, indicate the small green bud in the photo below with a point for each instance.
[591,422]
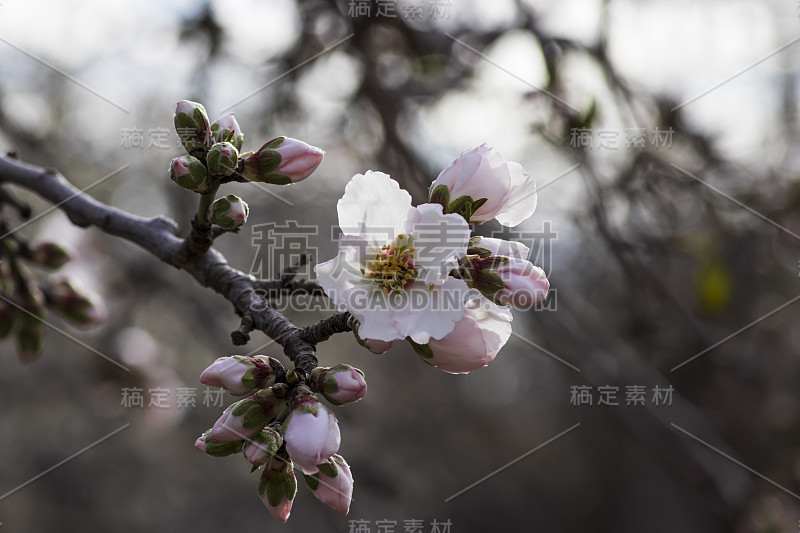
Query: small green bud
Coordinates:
[190,173]
[50,255]
[193,127]
[228,130]
[222,159]
[229,212]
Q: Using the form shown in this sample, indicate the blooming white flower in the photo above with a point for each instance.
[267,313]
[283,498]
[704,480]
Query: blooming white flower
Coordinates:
[311,433]
[392,269]
[482,172]
[475,340]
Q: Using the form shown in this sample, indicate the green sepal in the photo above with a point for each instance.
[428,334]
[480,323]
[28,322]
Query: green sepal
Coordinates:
[483,253]
[423,350]
[489,284]
[440,195]
[312,481]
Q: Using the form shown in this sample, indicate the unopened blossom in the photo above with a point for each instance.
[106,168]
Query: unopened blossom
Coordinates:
[281,161]
[524,284]
[263,446]
[75,304]
[277,487]
[474,342]
[311,433]
[393,268]
[50,255]
[229,212]
[193,127]
[240,374]
[227,129]
[482,173]
[340,384]
[215,448]
[190,173]
[333,484]
[499,247]
[247,417]
[222,159]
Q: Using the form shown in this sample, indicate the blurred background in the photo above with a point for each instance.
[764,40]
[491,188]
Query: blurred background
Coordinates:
[664,139]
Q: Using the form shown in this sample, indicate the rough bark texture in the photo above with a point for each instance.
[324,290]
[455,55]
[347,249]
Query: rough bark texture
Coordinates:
[193,254]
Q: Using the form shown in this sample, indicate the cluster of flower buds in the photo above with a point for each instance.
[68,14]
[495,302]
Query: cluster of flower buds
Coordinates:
[24,299]
[214,157]
[486,275]
[282,425]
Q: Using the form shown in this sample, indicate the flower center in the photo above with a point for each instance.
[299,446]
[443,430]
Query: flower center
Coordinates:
[393,266]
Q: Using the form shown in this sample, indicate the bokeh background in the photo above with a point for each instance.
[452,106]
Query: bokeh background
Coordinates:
[661,250]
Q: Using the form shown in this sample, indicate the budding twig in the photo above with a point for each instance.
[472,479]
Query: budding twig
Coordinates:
[194,255]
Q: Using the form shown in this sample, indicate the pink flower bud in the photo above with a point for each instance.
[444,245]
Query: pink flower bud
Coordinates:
[229,212]
[524,284]
[499,247]
[482,172]
[227,129]
[75,305]
[333,484]
[193,127]
[50,255]
[475,340]
[340,384]
[311,433]
[190,173]
[298,159]
[247,417]
[214,448]
[278,487]
[263,446]
[378,346]
[239,375]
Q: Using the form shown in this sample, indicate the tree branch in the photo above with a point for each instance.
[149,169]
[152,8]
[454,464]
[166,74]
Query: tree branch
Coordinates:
[208,267]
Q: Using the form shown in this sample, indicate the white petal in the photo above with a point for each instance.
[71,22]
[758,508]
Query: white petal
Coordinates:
[432,314]
[503,248]
[375,312]
[439,240]
[475,340]
[342,273]
[373,205]
[520,202]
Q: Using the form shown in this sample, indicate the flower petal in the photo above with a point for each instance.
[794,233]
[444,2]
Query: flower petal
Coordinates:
[520,202]
[373,206]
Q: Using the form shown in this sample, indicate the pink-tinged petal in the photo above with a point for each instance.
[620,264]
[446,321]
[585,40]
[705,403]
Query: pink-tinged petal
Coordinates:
[503,248]
[280,511]
[373,206]
[431,314]
[229,428]
[298,159]
[479,173]
[312,437]
[336,492]
[377,346]
[520,202]
[475,340]
[226,373]
[525,285]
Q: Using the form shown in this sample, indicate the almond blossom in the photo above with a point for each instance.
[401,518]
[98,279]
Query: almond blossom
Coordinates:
[393,268]
[482,173]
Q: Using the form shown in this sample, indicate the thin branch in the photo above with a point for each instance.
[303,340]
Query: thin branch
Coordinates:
[205,264]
